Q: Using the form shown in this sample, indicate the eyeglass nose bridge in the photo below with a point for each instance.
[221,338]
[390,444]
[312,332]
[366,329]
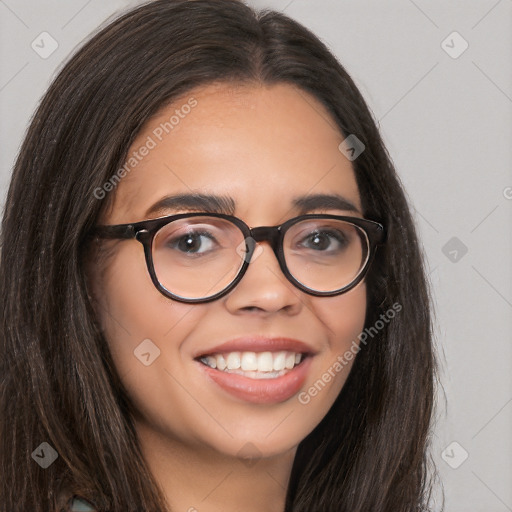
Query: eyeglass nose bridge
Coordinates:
[270,234]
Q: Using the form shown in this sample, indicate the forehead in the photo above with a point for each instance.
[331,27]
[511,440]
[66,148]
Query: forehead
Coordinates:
[260,145]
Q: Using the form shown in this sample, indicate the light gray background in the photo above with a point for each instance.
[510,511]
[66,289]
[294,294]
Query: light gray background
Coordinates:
[447,124]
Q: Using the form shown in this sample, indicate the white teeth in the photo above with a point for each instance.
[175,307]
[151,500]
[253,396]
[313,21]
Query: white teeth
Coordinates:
[221,362]
[265,362]
[279,361]
[249,361]
[259,365]
[290,361]
[258,375]
[233,360]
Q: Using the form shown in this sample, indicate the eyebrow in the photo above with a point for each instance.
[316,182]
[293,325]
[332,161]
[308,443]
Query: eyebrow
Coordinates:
[194,202]
[323,202]
[224,204]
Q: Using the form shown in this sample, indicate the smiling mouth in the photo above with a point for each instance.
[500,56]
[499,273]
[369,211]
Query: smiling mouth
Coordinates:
[254,365]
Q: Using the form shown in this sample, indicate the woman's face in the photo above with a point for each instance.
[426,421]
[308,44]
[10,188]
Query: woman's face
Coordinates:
[264,148]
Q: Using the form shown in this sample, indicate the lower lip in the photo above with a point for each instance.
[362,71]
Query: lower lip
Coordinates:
[261,391]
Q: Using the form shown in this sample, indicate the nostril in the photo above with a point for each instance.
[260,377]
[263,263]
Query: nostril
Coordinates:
[252,309]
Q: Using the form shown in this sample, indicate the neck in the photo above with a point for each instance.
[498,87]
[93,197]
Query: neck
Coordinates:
[199,479]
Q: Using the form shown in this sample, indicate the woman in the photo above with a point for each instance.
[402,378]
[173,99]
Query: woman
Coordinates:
[269,347]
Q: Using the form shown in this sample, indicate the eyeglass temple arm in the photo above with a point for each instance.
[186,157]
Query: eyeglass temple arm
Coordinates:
[125,231]
[379,234]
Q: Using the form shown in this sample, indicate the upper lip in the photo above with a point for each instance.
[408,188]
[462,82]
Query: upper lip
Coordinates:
[259,344]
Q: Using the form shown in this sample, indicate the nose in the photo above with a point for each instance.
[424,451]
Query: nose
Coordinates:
[264,288]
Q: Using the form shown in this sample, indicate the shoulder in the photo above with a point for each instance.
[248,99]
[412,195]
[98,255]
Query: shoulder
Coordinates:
[78,505]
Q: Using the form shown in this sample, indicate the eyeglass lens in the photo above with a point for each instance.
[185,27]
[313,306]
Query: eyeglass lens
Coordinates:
[197,257]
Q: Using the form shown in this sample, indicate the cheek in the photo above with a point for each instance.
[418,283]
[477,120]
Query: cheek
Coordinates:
[343,318]
[145,331]
[138,322]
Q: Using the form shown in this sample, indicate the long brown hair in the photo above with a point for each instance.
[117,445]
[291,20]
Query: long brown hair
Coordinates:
[58,382]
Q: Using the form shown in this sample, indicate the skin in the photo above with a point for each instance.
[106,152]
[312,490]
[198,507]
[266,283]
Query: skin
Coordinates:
[262,146]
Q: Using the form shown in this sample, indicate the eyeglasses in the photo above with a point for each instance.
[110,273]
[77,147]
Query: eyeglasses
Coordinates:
[199,257]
